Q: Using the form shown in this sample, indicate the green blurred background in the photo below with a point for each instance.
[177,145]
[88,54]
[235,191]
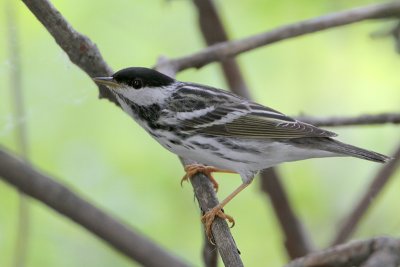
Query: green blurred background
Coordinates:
[98,151]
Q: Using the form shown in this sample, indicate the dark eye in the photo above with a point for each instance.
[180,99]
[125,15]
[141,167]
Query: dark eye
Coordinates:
[137,83]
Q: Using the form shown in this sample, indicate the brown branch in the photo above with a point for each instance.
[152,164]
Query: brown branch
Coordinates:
[376,252]
[79,48]
[63,200]
[297,243]
[207,199]
[376,186]
[368,119]
[222,51]
[210,253]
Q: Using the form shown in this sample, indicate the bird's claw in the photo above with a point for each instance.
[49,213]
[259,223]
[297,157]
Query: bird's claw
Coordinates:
[209,217]
[192,169]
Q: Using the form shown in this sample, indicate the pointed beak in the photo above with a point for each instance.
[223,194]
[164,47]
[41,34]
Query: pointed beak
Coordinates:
[107,81]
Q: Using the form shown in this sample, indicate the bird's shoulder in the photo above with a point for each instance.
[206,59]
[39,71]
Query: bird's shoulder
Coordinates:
[189,97]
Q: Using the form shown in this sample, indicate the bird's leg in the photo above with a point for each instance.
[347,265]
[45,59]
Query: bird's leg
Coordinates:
[192,169]
[209,216]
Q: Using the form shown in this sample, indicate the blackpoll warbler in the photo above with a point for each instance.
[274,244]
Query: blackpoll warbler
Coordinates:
[220,129]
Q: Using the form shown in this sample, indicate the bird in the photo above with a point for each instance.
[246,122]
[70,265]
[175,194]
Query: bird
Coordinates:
[219,130]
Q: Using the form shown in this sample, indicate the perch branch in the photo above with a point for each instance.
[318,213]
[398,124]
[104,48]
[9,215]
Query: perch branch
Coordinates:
[377,184]
[63,200]
[207,199]
[222,51]
[368,119]
[376,252]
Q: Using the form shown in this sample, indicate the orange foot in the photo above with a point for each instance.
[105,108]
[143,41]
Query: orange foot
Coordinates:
[192,169]
[209,217]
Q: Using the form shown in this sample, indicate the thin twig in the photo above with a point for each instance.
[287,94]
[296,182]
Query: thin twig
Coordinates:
[366,119]
[63,200]
[79,48]
[377,184]
[376,252]
[210,253]
[221,51]
[207,199]
[23,226]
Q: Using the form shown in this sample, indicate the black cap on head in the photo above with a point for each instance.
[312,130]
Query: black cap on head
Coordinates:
[148,77]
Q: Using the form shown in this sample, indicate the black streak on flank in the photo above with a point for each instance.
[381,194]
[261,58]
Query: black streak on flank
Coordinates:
[236,147]
[205,146]
[175,141]
[231,159]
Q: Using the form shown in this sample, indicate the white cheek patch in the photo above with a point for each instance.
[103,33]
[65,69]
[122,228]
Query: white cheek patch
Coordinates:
[146,95]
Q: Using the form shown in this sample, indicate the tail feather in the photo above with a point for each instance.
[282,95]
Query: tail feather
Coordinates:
[349,150]
[339,148]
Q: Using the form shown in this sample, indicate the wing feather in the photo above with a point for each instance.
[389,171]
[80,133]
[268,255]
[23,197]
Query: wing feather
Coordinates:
[225,114]
[246,123]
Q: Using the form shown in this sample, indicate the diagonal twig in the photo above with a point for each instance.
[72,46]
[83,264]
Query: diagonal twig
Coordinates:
[207,199]
[375,252]
[221,51]
[63,200]
[366,119]
[377,184]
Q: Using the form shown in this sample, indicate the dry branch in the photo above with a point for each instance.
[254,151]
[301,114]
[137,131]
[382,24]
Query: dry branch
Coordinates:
[367,119]
[222,51]
[376,252]
[381,179]
[63,200]
[207,199]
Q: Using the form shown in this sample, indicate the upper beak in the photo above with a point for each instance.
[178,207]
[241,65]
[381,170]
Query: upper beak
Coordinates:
[108,81]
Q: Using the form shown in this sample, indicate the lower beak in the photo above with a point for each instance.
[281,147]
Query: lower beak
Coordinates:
[108,81]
